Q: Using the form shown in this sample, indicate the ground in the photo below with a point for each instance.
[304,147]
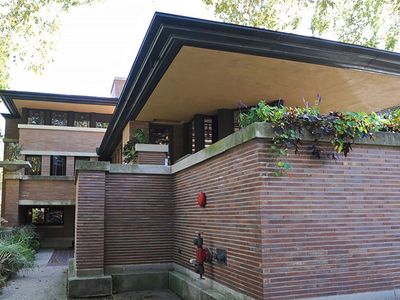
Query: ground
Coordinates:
[47,281]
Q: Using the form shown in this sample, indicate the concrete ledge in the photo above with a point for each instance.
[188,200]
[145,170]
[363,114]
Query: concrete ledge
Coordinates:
[140,281]
[63,153]
[380,295]
[191,279]
[140,169]
[82,165]
[47,202]
[151,148]
[39,177]
[93,286]
[62,128]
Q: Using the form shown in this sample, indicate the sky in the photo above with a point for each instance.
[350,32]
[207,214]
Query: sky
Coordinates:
[97,43]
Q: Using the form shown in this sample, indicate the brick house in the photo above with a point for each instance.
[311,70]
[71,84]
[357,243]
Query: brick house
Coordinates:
[330,229]
[55,131]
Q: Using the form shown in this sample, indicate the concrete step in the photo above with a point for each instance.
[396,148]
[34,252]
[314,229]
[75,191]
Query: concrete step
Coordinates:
[193,289]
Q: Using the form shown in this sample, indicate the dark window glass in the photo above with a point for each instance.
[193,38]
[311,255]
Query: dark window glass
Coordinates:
[82,120]
[193,136]
[160,134]
[86,158]
[58,165]
[36,163]
[208,131]
[35,117]
[101,124]
[45,216]
[59,118]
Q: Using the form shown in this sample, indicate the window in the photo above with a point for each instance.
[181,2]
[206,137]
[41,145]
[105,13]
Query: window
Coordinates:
[58,165]
[101,124]
[208,131]
[59,118]
[82,120]
[77,158]
[36,163]
[45,216]
[35,117]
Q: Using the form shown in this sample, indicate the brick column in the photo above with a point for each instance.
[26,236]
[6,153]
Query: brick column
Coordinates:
[89,218]
[11,201]
[70,171]
[46,165]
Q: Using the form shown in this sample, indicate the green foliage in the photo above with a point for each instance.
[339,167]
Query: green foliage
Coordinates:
[129,152]
[373,23]
[13,151]
[17,249]
[27,30]
[340,128]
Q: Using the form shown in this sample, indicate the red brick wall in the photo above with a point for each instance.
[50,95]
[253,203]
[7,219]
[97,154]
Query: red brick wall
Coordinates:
[330,227]
[89,221]
[231,220]
[47,190]
[11,193]
[59,140]
[151,158]
[333,227]
[138,219]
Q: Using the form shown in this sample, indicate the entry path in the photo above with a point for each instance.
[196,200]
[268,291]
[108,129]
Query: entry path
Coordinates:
[47,281]
[39,283]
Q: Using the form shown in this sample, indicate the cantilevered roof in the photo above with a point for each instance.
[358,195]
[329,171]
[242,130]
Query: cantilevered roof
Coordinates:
[16,100]
[188,66]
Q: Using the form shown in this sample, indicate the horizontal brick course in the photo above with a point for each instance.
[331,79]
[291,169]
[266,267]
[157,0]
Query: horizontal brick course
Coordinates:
[47,190]
[328,227]
[59,140]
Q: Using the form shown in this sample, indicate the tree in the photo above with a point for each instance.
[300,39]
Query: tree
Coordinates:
[27,30]
[372,23]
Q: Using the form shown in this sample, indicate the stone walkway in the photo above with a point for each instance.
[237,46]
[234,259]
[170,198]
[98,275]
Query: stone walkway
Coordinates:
[47,281]
[40,283]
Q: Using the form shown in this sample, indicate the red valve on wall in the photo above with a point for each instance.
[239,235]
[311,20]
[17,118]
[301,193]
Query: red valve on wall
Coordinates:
[201,199]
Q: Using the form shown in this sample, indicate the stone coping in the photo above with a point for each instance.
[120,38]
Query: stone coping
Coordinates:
[151,148]
[259,130]
[62,128]
[61,153]
[38,177]
[47,202]
[15,165]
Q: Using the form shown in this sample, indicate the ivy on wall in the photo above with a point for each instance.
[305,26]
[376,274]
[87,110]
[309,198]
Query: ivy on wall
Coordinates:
[340,128]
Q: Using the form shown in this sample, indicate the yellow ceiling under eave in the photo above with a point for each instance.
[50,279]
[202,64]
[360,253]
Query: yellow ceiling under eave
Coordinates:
[203,80]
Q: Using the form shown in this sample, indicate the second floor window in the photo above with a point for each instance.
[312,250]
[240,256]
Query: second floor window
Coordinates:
[82,120]
[59,118]
[36,163]
[58,166]
[35,117]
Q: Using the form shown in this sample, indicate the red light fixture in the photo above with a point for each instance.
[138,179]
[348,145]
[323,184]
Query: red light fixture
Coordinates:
[201,199]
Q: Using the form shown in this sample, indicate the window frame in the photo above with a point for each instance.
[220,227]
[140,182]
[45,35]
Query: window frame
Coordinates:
[29,215]
[64,166]
[40,111]
[28,171]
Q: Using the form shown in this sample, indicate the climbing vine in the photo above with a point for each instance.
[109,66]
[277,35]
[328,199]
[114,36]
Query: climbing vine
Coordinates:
[340,128]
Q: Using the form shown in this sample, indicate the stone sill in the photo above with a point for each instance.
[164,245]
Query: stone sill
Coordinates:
[61,128]
[151,148]
[39,177]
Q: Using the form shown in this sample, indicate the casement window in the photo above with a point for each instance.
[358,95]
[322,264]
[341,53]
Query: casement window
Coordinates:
[82,120]
[59,118]
[101,124]
[45,216]
[58,165]
[35,117]
[36,163]
[77,158]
